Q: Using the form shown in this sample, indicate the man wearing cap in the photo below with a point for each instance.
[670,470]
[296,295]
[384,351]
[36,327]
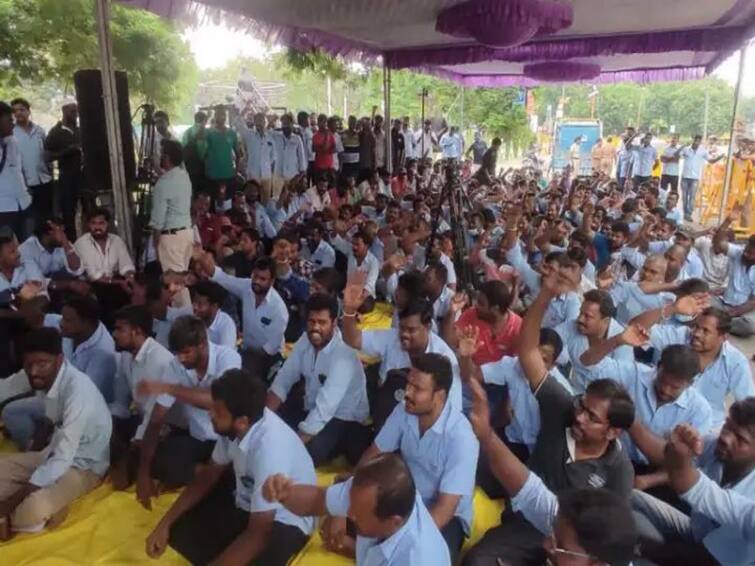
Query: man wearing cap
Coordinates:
[63,144]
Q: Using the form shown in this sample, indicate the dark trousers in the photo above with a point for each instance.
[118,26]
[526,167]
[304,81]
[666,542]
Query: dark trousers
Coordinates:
[42,202]
[206,530]
[622,181]
[384,398]
[640,179]
[177,456]
[68,193]
[337,437]
[670,182]
[453,534]
[515,543]
[261,364]
[15,222]
[111,298]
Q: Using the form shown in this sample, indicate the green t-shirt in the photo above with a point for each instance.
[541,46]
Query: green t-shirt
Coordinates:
[219,160]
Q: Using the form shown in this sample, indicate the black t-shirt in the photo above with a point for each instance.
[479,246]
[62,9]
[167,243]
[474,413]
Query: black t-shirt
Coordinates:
[550,458]
[242,267]
[59,138]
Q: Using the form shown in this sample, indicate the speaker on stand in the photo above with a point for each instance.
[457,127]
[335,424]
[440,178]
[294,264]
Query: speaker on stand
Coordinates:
[97,189]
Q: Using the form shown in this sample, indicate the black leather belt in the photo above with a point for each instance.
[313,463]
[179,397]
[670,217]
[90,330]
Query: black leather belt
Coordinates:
[173,231]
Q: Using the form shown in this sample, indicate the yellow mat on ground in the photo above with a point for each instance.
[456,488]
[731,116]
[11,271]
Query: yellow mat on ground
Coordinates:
[108,527]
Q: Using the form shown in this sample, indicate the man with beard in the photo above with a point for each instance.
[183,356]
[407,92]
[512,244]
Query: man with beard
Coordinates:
[724,369]
[577,447]
[264,313]
[360,260]
[330,414]
[393,526]
[141,357]
[739,298]
[707,533]
[212,522]
[63,144]
[290,159]
[663,399]
[318,250]
[437,443]
[173,459]
[395,347]
[207,298]
[37,487]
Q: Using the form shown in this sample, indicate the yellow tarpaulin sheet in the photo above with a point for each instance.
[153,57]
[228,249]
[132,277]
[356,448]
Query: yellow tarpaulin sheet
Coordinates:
[108,527]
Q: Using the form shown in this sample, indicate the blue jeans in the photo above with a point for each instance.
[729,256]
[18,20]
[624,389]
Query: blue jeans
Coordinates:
[20,418]
[689,190]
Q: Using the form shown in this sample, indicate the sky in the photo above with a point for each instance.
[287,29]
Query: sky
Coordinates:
[211,43]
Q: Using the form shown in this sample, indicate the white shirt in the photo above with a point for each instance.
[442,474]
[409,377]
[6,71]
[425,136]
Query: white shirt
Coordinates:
[13,193]
[220,360]
[151,362]
[264,324]
[385,344]
[409,150]
[98,264]
[260,151]
[31,146]
[82,428]
[671,167]
[334,383]
[715,266]
[741,278]
[222,331]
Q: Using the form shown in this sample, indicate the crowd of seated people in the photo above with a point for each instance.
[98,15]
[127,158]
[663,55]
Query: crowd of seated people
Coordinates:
[572,360]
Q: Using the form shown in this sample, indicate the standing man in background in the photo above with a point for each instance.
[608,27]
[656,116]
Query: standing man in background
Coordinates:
[63,144]
[221,151]
[14,198]
[670,160]
[30,140]
[194,148]
[171,216]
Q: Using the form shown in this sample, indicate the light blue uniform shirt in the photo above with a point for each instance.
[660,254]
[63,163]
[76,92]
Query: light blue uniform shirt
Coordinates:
[639,380]
[442,460]
[264,324]
[576,344]
[81,438]
[323,256]
[96,357]
[171,201]
[451,145]
[417,543]
[334,383]
[729,373]
[269,447]
[560,309]
[220,360]
[741,284]
[727,544]
[525,425]
[32,251]
[385,344]
[694,160]
[223,330]
[537,503]
[289,155]
[631,300]
[671,168]
[260,151]
[646,157]
[31,146]
[21,274]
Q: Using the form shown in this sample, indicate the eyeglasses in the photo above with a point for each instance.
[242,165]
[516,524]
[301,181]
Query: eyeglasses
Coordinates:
[579,407]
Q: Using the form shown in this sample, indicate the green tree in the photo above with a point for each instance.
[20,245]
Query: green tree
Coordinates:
[48,40]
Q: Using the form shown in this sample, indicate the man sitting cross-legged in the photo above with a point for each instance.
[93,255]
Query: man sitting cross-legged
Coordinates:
[394,528]
[37,486]
[330,407]
[437,444]
[213,522]
[172,459]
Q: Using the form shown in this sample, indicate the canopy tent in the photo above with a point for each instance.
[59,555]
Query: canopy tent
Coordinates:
[601,41]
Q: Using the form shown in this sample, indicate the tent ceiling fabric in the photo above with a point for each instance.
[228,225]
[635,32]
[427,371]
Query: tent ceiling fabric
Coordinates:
[638,40]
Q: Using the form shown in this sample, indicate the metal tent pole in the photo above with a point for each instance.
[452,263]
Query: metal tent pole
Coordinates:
[112,123]
[387,126]
[735,109]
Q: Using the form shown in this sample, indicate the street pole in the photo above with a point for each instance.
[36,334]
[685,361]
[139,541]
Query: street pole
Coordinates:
[329,89]
[422,125]
[113,126]
[461,107]
[735,109]
[706,113]
[387,126]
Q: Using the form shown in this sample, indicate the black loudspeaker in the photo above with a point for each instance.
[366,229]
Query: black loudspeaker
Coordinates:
[94,145]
